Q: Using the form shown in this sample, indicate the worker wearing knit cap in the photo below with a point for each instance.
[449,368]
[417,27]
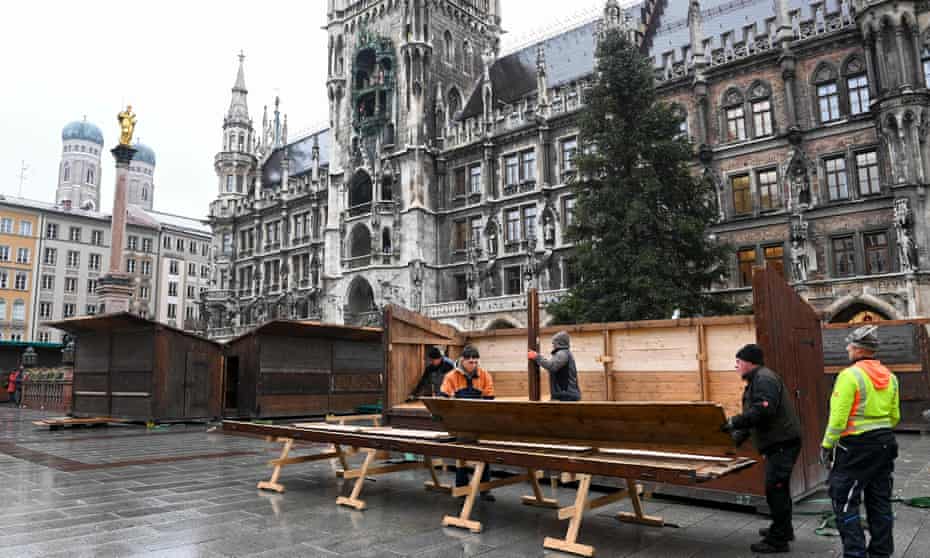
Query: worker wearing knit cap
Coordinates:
[770,419]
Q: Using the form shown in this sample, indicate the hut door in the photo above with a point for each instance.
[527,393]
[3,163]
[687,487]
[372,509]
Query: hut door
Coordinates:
[809,374]
[197,385]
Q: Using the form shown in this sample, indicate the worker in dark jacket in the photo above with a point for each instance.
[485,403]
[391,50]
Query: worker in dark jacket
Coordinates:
[563,374]
[770,419]
[435,372]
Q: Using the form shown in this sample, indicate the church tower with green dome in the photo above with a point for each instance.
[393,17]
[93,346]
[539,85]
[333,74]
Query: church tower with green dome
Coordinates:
[79,171]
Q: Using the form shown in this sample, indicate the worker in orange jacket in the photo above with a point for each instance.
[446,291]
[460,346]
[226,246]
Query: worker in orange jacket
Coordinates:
[11,386]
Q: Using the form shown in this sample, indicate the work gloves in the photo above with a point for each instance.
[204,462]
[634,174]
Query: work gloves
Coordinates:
[531,355]
[728,426]
[826,457]
[738,436]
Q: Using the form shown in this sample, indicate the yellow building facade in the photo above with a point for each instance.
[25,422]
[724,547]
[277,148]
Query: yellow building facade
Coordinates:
[19,238]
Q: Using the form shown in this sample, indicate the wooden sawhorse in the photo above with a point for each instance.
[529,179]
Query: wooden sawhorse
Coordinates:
[367,470]
[334,452]
[575,512]
[475,486]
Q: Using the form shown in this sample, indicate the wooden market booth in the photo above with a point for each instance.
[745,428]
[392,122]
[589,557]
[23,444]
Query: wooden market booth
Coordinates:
[662,360]
[130,368]
[288,368]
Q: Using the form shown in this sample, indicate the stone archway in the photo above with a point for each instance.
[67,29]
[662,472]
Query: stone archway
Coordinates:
[860,308]
[360,307]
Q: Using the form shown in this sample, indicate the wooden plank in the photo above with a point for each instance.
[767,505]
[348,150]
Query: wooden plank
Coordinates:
[532,332]
[401,314]
[671,349]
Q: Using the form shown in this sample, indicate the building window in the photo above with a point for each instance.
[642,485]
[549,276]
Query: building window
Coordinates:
[90,309]
[476,232]
[22,255]
[74,259]
[459,183]
[48,282]
[529,222]
[742,196]
[51,255]
[20,281]
[228,243]
[512,171]
[837,188]
[44,337]
[459,235]
[70,284]
[133,243]
[876,253]
[230,183]
[173,267]
[474,179]
[204,272]
[448,50]
[93,262]
[461,287]
[172,311]
[144,293]
[192,270]
[528,166]
[762,118]
[74,234]
[736,124]
[90,175]
[513,281]
[191,292]
[513,226]
[179,244]
[45,310]
[828,99]
[192,247]
[146,267]
[6,225]
[130,265]
[166,243]
[19,311]
[775,258]
[147,245]
[746,259]
[51,231]
[768,189]
[189,312]
[172,289]
[4,279]
[92,286]
[4,253]
[96,238]
[25,228]
[844,256]
[867,171]
[68,310]
[858,94]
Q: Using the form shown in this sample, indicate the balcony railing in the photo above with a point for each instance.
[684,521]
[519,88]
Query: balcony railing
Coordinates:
[458,308]
[360,261]
[359,210]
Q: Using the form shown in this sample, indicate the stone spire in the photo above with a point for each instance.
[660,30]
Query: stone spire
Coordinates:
[696,28]
[542,82]
[238,106]
[783,30]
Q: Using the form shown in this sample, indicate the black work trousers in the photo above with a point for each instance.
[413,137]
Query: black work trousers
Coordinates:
[779,462]
[863,471]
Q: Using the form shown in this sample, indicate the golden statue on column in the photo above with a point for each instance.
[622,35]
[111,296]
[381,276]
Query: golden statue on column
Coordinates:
[127,124]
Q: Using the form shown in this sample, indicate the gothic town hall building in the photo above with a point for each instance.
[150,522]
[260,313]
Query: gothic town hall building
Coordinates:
[444,182]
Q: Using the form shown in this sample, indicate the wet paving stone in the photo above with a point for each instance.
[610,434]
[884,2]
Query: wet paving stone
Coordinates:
[184,492]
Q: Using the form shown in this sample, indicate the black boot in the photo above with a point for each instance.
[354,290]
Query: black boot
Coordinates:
[769,547]
[764,533]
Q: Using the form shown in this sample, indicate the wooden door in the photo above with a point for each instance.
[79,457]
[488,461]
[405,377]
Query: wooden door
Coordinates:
[197,385]
[788,329]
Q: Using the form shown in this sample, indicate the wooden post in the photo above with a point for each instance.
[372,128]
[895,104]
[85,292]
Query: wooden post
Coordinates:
[532,332]
[703,373]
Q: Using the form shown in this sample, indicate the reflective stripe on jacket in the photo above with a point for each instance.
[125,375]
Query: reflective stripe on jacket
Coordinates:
[865,398]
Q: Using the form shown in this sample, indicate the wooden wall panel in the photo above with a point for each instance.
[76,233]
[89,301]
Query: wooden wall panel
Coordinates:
[726,388]
[655,349]
[656,386]
[92,354]
[133,351]
[723,341]
[295,355]
[503,354]
[271,406]
[357,357]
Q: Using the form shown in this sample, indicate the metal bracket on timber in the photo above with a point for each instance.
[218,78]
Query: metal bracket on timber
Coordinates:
[475,486]
[575,512]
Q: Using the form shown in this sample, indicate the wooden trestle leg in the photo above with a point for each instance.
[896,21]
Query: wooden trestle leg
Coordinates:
[353,501]
[435,483]
[475,486]
[335,452]
[575,514]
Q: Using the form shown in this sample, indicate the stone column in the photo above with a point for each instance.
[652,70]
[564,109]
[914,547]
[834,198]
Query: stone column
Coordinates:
[115,288]
[904,74]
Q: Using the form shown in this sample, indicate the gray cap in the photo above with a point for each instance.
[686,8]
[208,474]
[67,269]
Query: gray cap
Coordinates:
[865,337]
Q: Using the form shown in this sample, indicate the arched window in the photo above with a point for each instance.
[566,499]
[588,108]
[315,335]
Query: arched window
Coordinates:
[734,115]
[386,241]
[19,311]
[827,93]
[340,56]
[360,190]
[448,47]
[360,246]
[67,174]
[466,57]
[760,101]
[454,103]
[91,174]
[241,142]
[856,80]
[682,115]
[145,193]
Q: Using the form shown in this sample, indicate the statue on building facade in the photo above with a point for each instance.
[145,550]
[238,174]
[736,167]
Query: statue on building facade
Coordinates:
[906,246]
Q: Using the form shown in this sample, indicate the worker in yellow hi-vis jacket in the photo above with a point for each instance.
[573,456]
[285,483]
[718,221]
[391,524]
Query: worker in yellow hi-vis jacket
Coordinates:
[860,447]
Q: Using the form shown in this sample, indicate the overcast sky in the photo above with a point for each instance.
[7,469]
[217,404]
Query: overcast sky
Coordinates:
[175,62]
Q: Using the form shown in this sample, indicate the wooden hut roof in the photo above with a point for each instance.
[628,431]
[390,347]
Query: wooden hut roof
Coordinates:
[297,328]
[115,322]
